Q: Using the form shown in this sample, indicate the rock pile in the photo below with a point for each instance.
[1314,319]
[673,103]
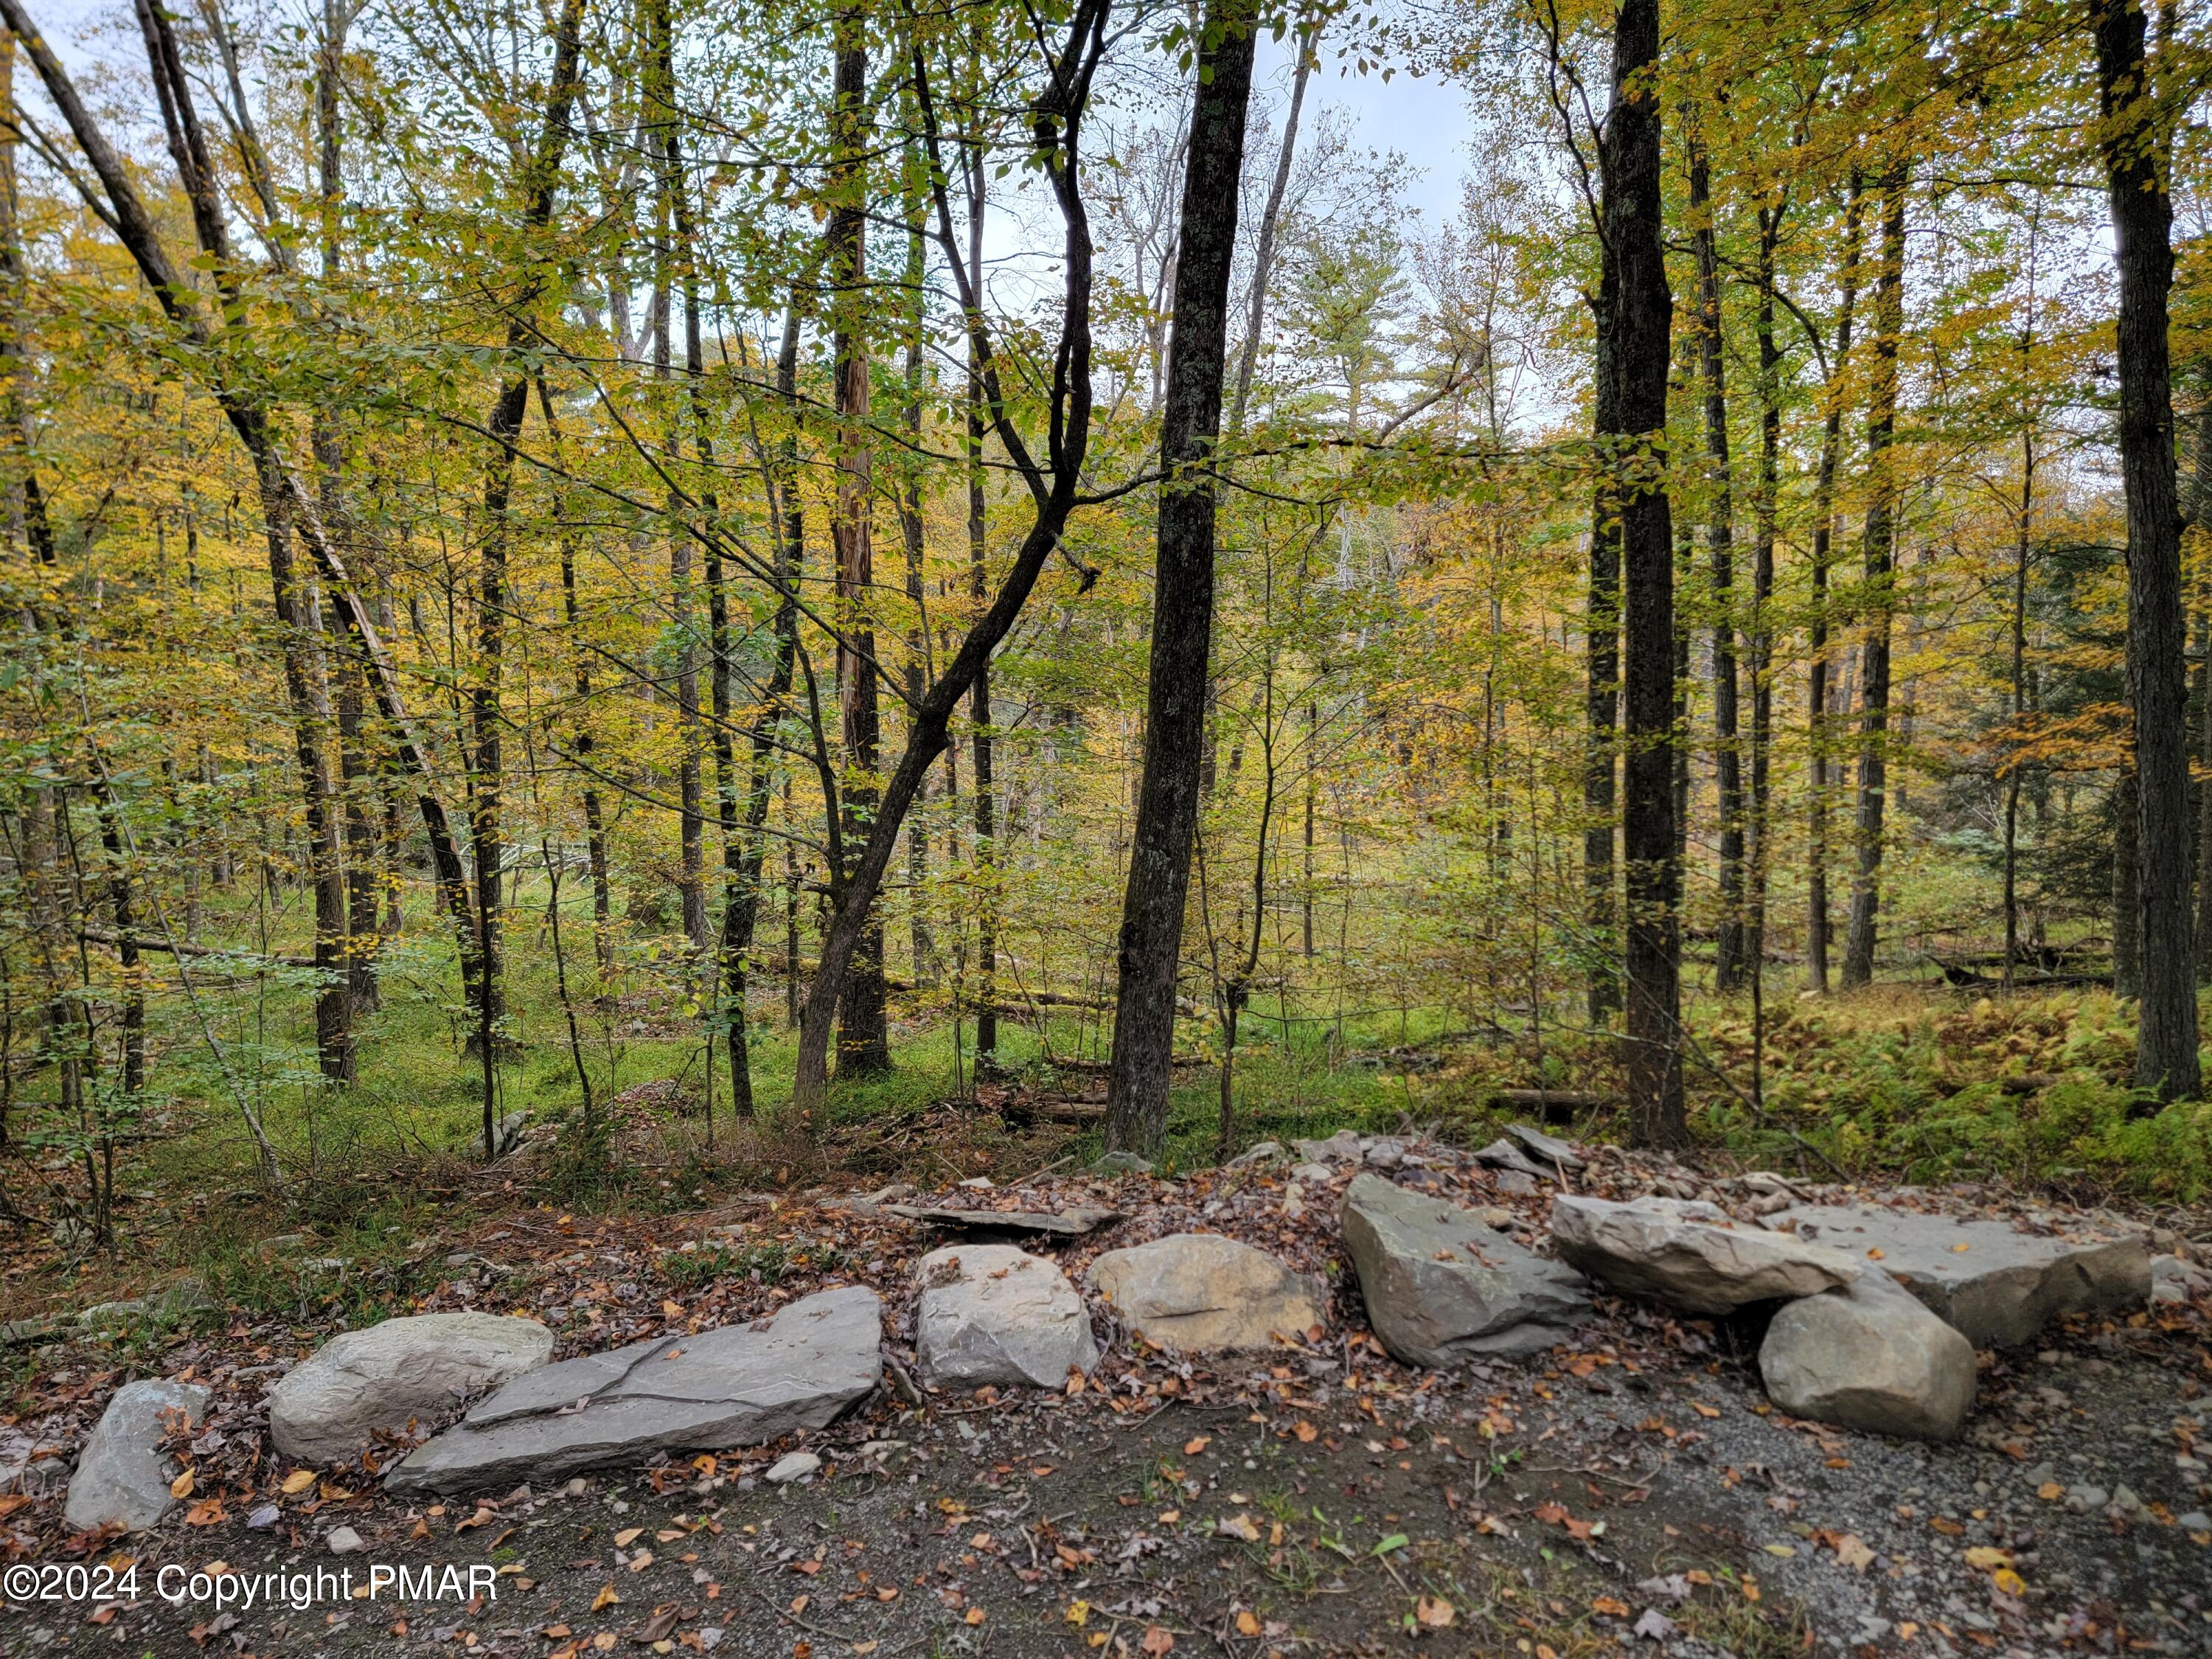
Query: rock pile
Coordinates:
[1885,1306]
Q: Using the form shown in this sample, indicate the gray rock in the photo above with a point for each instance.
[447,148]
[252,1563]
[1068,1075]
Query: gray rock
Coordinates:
[328,1409]
[1673,1252]
[344,1540]
[1070,1223]
[1342,1147]
[1264,1151]
[1313,1174]
[1515,1183]
[2173,1279]
[2195,1520]
[791,1466]
[1441,1287]
[2082,1498]
[176,1301]
[1870,1357]
[123,1478]
[1993,1284]
[1546,1146]
[1202,1292]
[1383,1153]
[993,1314]
[742,1385]
[1504,1155]
[1121,1164]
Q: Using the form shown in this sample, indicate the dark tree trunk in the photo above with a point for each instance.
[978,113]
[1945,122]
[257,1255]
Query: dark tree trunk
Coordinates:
[2200,513]
[1766,511]
[1818,695]
[1878,542]
[1182,592]
[986,790]
[480,967]
[912,534]
[1056,129]
[1602,686]
[863,1036]
[2137,143]
[1639,309]
[1720,548]
[2127,892]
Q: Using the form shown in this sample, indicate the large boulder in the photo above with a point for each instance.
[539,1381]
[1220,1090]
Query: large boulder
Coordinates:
[994,1314]
[123,1478]
[741,1385]
[329,1409]
[1687,1254]
[1870,1357]
[1442,1287]
[1993,1284]
[1202,1292]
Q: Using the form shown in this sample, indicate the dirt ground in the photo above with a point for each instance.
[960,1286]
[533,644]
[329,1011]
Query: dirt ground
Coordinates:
[1527,1511]
[1632,1493]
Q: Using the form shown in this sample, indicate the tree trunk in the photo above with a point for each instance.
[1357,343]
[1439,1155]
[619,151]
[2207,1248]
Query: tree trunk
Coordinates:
[985,802]
[2023,551]
[913,535]
[1641,313]
[1059,114]
[2127,893]
[1182,592]
[1817,692]
[1878,542]
[2200,513]
[863,1036]
[2137,145]
[1720,548]
[1766,511]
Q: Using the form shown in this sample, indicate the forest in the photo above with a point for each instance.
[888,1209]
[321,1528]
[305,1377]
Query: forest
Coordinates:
[613,600]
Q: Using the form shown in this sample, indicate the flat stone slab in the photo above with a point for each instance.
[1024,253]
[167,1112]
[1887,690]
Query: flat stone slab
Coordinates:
[1550,1147]
[1683,1253]
[740,1385]
[123,1478]
[1441,1287]
[328,1410]
[1993,1284]
[1068,1223]
[1205,1293]
[1870,1357]
[991,1314]
[1504,1155]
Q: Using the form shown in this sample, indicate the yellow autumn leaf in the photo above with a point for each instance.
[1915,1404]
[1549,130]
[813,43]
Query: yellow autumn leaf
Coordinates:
[1246,1625]
[182,1486]
[606,1598]
[297,1482]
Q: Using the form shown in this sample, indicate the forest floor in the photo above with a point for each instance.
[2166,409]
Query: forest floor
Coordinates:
[1632,1490]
